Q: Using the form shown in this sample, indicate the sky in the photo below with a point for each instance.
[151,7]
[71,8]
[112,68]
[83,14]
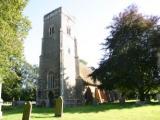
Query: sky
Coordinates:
[92,18]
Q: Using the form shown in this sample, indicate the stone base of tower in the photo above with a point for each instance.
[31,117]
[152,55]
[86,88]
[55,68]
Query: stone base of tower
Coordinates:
[43,103]
[67,102]
[73,102]
[71,97]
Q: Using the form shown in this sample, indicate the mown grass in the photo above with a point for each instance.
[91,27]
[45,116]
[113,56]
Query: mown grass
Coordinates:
[109,111]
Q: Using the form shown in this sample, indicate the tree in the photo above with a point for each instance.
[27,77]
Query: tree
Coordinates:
[29,81]
[131,63]
[14,27]
[23,88]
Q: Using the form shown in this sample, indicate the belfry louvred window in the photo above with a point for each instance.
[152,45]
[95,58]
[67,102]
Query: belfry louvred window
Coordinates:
[51,30]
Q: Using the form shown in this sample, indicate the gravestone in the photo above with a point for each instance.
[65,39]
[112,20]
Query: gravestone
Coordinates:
[59,107]
[27,111]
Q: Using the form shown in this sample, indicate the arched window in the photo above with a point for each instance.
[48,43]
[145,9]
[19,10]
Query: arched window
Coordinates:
[50,80]
[53,29]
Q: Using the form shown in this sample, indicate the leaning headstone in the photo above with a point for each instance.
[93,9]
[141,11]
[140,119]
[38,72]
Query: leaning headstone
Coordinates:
[59,107]
[27,111]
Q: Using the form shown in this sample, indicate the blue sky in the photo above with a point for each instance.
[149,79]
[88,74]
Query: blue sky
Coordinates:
[92,17]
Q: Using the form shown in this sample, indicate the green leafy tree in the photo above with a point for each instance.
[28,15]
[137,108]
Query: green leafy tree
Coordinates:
[29,81]
[24,87]
[130,60]
[14,28]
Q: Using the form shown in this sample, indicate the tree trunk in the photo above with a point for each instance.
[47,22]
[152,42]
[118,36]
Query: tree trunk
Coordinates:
[122,98]
[141,95]
[148,99]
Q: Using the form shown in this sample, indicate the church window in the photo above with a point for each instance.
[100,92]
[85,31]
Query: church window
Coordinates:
[50,31]
[50,80]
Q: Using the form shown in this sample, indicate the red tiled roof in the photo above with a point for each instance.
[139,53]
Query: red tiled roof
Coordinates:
[84,71]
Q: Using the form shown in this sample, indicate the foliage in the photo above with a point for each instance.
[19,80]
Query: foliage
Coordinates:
[14,27]
[28,94]
[130,60]
[25,87]
[11,90]
[29,75]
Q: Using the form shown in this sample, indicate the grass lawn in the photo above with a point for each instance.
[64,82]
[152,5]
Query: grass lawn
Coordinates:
[110,111]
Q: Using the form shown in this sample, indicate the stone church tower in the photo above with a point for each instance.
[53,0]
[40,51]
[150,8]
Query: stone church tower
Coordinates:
[59,67]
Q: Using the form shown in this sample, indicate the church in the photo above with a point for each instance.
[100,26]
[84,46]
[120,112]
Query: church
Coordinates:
[61,73]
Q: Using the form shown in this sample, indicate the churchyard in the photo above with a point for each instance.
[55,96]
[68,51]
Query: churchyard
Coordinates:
[110,111]
[128,69]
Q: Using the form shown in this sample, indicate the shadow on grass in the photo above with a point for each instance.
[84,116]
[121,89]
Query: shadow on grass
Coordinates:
[42,116]
[81,109]
[104,107]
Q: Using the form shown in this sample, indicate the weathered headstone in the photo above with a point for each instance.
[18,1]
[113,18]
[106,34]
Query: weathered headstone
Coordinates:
[59,107]
[27,111]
